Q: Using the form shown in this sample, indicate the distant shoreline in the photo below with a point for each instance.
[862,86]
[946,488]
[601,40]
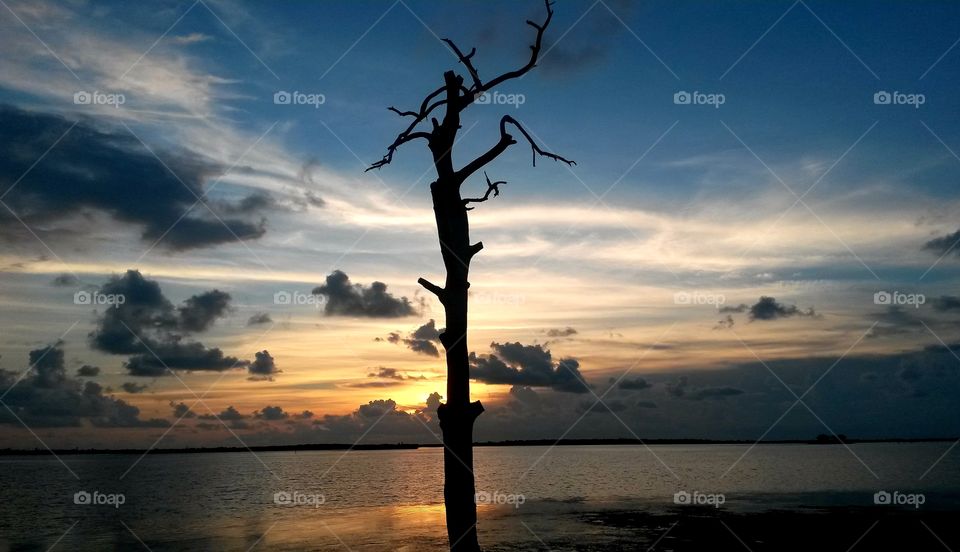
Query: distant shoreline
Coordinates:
[414,446]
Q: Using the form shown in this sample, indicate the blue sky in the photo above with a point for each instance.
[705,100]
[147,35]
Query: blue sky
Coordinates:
[665,199]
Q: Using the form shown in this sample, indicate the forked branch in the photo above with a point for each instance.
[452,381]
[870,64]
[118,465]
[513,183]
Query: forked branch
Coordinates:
[410,133]
[534,148]
[506,140]
[491,187]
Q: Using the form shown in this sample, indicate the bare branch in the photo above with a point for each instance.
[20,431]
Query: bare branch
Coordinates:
[431,287]
[491,187]
[409,133]
[403,113]
[533,145]
[475,248]
[535,49]
[506,140]
[403,138]
[501,146]
[465,60]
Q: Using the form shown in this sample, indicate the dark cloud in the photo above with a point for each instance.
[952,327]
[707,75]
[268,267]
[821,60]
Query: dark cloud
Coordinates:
[65,280]
[386,373]
[229,414]
[181,410]
[767,308]
[346,299]
[254,203]
[88,371]
[527,365]
[895,320]
[259,318]
[199,312]
[47,397]
[377,421]
[271,413]
[635,384]
[392,374]
[95,170]
[588,44]
[946,303]
[148,327]
[381,421]
[944,244]
[263,366]
[715,393]
[131,387]
[561,332]
[181,356]
[374,384]
[377,408]
[725,323]
[526,396]
[681,389]
[423,340]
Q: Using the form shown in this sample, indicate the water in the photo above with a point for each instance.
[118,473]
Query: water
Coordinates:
[392,500]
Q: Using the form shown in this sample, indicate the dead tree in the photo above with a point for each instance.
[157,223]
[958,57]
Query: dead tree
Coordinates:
[457,416]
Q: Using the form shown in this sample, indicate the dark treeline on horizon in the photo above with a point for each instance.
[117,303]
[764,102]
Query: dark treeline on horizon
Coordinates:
[820,440]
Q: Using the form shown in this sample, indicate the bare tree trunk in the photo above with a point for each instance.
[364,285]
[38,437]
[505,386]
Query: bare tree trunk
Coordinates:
[458,414]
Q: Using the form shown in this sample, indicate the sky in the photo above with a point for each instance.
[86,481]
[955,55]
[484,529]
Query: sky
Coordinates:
[758,239]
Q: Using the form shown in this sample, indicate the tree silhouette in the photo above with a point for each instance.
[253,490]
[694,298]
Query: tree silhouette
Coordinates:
[457,416]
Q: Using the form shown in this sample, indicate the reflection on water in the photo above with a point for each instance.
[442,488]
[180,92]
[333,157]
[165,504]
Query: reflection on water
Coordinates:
[376,500]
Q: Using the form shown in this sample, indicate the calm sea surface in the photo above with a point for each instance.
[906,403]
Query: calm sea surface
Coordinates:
[392,500]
